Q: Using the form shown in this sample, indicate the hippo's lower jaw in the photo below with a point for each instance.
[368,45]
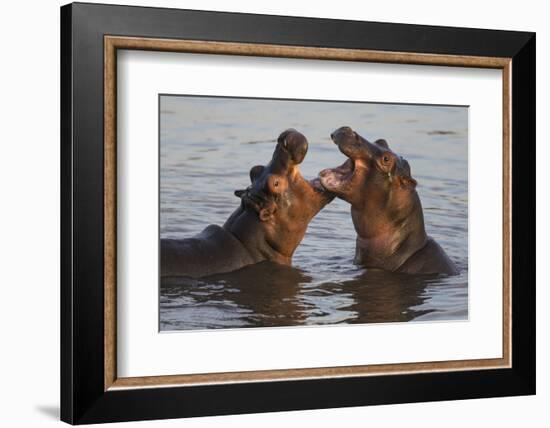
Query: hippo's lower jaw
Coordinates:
[317,185]
[336,179]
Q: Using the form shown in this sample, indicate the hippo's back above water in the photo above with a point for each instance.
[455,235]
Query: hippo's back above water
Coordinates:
[214,250]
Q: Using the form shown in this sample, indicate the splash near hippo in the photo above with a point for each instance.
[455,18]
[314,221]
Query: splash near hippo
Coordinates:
[268,225]
[385,208]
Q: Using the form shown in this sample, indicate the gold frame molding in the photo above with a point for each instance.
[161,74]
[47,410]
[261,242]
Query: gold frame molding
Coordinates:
[113,43]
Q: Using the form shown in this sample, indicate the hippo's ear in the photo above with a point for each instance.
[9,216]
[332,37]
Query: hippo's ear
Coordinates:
[408,182]
[382,143]
[255,172]
[240,193]
[266,213]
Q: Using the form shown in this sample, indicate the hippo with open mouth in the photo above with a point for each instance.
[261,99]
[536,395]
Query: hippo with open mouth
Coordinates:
[269,224]
[385,208]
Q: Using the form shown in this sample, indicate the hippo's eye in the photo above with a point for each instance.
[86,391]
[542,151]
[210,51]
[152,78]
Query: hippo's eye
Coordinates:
[386,158]
[276,185]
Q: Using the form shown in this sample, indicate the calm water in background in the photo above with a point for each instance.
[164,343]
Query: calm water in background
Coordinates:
[207,147]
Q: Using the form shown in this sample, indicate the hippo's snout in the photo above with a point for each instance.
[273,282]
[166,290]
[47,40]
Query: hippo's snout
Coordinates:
[344,134]
[294,144]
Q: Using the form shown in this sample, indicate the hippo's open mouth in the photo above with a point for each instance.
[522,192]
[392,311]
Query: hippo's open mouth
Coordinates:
[316,184]
[336,179]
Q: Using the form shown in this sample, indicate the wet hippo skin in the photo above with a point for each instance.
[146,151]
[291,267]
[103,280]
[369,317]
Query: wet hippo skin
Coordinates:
[385,208]
[269,224]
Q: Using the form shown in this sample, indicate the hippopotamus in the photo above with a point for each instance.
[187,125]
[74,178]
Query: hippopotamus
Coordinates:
[385,208]
[268,225]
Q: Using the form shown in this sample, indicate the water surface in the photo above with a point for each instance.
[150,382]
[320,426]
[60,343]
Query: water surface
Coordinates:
[207,147]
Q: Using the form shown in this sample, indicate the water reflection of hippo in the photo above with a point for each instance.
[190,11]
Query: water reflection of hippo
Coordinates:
[264,294]
[385,207]
[269,224]
[286,296]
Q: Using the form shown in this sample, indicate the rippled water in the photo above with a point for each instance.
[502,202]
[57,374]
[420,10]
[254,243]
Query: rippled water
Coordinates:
[207,147]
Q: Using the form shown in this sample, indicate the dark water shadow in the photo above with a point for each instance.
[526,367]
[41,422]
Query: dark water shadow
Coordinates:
[271,295]
[261,295]
[381,296]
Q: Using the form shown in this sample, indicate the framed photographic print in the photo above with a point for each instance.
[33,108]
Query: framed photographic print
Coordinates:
[265,213]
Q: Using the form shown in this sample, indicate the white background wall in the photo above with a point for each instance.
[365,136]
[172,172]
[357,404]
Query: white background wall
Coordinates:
[29,214]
